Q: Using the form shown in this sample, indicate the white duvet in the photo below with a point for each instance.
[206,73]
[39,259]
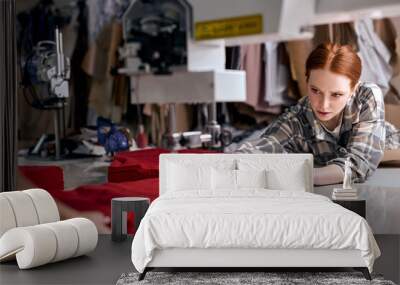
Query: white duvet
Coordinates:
[250,219]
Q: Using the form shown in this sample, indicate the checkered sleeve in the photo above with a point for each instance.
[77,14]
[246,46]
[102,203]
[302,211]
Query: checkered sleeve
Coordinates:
[367,141]
[278,137]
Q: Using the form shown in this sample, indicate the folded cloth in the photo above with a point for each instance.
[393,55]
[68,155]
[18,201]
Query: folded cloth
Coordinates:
[344,191]
[140,164]
[350,196]
[345,194]
[345,198]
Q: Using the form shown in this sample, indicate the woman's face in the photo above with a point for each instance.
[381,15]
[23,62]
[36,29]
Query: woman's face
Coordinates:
[328,93]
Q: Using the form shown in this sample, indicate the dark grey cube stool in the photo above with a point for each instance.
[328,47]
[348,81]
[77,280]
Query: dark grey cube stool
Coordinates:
[119,209]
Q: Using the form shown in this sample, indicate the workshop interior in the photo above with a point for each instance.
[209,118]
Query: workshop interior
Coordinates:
[200,141]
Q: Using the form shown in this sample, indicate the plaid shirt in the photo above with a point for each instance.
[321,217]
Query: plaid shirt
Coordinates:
[363,135]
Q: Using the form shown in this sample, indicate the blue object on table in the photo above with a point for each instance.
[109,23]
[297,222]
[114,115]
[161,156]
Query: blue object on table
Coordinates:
[110,137]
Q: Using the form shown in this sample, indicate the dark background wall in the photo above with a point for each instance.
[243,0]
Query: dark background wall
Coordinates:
[8,96]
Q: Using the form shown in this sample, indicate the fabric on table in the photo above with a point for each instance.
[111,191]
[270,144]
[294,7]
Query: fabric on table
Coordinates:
[135,165]
[140,164]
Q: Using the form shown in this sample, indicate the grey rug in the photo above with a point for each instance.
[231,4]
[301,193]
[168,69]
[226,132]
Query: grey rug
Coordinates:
[228,278]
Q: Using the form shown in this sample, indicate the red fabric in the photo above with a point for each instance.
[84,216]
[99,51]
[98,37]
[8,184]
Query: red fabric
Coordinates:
[50,178]
[98,197]
[135,165]
[89,197]
[140,164]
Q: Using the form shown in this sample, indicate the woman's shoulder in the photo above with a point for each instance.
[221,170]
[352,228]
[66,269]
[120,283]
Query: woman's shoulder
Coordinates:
[368,92]
[296,114]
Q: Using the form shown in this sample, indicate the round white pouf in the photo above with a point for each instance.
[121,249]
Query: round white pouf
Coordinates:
[23,208]
[87,234]
[46,207]
[40,244]
[67,240]
[33,246]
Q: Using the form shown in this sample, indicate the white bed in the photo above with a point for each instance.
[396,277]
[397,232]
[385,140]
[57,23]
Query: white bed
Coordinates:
[200,223]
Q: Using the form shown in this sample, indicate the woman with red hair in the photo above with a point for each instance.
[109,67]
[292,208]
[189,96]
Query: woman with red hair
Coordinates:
[340,119]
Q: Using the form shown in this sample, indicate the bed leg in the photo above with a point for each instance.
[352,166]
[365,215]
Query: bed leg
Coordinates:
[142,275]
[364,271]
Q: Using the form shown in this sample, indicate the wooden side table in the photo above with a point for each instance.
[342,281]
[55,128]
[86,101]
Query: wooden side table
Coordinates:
[357,206]
[119,209]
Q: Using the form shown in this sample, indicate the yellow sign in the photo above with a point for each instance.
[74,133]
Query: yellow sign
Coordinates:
[231,27]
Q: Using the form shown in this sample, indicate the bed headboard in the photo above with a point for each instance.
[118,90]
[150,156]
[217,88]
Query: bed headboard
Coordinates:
[295,168]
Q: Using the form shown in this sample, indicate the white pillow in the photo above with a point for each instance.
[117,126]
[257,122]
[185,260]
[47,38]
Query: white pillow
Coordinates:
[293,181]
[251,179]
[227,179]
[183,177]
[223,179]
[282,174]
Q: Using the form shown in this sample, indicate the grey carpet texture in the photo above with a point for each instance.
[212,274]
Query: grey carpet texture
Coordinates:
[228,278]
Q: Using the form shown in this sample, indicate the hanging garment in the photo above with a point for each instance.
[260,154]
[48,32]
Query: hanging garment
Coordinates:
[388,30]
[232,60]
[80,81]
[374,55]
[100,58]
[277,75]
[298,52]
[251,61]
[101,12]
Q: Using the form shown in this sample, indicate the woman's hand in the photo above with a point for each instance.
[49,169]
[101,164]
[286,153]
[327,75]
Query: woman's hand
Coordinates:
[99,219]
[330,174]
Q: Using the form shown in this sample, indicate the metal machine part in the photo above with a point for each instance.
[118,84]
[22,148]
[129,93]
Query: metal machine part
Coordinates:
[48,69]
[48,65]
[155,32]
[213,137]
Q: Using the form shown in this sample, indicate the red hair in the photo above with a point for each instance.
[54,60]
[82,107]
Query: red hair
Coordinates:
[340,59]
